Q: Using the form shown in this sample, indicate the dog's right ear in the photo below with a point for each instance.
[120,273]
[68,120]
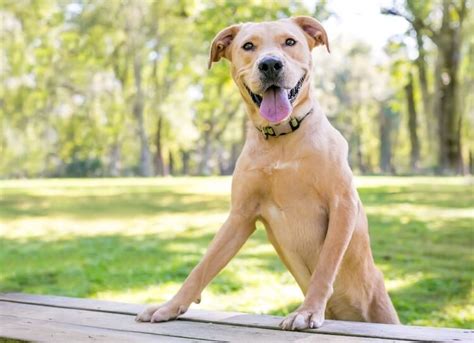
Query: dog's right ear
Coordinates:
[314,31]
[221,43]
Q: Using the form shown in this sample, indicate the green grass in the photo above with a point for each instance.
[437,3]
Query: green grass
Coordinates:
[136,240]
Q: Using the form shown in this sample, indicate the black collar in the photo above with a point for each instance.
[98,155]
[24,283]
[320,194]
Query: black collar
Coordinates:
[290,125]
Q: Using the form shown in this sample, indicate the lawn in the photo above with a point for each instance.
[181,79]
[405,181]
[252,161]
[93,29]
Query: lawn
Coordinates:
[135,240]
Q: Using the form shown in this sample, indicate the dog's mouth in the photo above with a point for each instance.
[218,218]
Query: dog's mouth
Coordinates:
[292,93]
[275,103]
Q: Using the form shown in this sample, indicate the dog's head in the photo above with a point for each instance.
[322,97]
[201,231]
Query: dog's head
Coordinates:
[271,62]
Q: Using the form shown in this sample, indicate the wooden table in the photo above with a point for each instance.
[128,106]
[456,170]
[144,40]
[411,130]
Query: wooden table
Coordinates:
[62,319]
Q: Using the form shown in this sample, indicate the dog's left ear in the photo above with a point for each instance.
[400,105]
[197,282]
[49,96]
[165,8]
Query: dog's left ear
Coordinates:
[313,30]
[221,43]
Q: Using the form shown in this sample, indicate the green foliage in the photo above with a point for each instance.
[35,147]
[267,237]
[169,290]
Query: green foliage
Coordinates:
[137,239]
[74,73]
[70,81]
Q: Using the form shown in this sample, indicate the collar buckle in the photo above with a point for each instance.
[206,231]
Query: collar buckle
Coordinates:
[294,124]
[268,131]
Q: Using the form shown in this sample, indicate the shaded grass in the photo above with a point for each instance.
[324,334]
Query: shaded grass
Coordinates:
[136,240]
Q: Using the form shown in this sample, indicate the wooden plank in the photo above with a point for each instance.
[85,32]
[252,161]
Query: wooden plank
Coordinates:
[401,332]
[181,329]
[352,329]
[49,331]
[77,303]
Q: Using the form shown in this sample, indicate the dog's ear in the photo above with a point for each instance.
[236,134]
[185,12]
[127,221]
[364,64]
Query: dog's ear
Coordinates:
[221,43]
[313,30]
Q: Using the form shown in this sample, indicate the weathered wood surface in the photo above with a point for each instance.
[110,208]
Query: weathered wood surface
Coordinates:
[51,331]
[59,319]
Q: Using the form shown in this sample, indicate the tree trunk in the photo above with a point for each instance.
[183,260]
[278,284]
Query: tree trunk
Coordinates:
[170,163]
[145,167]
[360,159]
[234,155]
[185,156]
[412,125]
[448,113]
[159,161]
[471,163]
[204,168]
[114,163]
[426,96]
[221,162]
[385,130]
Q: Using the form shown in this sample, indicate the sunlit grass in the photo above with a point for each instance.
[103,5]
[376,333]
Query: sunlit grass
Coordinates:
[136,240]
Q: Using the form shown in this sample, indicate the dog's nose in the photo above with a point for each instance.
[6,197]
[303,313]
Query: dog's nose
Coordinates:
[270,67]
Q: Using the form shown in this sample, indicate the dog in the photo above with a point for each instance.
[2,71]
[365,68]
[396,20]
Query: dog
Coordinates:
[293,176]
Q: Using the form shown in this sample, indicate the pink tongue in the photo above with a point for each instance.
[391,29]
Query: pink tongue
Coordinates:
[275,105]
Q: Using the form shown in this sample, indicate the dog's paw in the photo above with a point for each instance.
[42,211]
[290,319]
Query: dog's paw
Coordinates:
[146,315]
[161,313]
[303,319]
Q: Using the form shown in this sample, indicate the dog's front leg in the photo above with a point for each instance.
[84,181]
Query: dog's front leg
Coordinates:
[343,210]
[227,242]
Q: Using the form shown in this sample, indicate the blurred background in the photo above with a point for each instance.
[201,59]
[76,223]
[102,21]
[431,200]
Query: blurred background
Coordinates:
[100,98]
[121,88]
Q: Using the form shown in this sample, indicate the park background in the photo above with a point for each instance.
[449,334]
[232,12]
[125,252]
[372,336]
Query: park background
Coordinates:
[100,99]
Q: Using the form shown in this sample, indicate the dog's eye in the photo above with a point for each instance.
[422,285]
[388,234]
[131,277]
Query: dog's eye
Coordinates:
[248,46]
[290,42]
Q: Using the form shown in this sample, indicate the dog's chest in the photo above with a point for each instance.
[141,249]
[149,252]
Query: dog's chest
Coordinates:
[285,182]
[291,207]
[289,166]
[297,231]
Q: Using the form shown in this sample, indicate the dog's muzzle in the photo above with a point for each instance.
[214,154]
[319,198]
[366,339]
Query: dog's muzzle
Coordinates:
[292,93]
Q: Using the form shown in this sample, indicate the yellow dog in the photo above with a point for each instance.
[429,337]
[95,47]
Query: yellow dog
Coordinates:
[293,176]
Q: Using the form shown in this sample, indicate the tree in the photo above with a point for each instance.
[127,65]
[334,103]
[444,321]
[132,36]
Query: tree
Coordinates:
[387,122]
[447,38]
[412,124]
[449,42]
[111,88]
